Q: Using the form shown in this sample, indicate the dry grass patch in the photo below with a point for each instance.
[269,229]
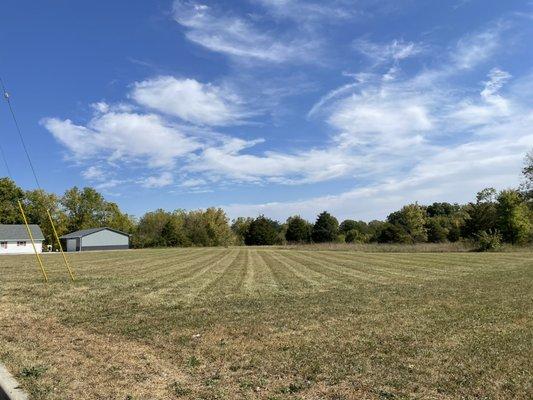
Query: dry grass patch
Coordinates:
[270,324]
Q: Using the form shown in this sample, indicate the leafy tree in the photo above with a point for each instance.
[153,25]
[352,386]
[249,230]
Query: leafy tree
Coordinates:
[240,227]
[172,233]
[440,209]
[350,224]
[10,193]
[393,233]
[262,232]
[208,228]
[412,219]
[514,217]
[374,229]
[356,236]
[438,228]
[326,228]
[480,216]
[116,219]
[36,204]
[149,229]
[85,208]
[298,230]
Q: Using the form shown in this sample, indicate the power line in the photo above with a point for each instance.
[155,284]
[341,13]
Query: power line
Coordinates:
[7,98]
[5,162]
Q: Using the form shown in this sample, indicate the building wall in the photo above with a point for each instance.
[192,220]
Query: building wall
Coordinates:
[12,247]
[105,239]
[71,245]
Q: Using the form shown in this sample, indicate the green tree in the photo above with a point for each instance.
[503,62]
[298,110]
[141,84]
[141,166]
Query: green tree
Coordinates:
[116,219]
[240,227]
[10,193]
[412,219]
[356,236]
[84,208]
[36,204]
[325,229]
[262,232]
[208,228]
[298,230]
[350,224]
[393,233]
[514,217]
[438,228]
[173,233]
[480,216]
[149,229]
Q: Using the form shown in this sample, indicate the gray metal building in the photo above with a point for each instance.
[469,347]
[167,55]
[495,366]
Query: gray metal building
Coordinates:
[96,239]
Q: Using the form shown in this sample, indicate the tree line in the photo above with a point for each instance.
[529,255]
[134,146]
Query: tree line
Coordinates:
[493,217]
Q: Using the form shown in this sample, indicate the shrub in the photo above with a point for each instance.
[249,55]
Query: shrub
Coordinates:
[489,241]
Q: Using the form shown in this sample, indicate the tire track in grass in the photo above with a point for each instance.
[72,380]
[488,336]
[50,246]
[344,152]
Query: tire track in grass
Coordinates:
[340,272]
[248,284]
[149,290]
[260,281]
[190,270]
[125,266]
[286,278]
[197,283]
[304,272]
[420,271]
[228,280]
[370,267]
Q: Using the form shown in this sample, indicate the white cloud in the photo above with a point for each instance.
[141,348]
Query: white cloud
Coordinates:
[158,181]
[238,37]
[489,107]
[190,100]
[124,137]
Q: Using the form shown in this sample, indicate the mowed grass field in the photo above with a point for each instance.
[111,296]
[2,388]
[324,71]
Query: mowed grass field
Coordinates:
[265,323]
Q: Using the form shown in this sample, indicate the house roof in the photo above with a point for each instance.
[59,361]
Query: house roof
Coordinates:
[86,232]
[19,232]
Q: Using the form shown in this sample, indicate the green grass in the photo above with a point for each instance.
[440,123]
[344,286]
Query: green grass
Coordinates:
[250,323]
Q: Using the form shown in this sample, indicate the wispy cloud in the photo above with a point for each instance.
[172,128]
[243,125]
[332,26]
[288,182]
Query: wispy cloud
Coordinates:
[385,52]
[237,36]
[157,181]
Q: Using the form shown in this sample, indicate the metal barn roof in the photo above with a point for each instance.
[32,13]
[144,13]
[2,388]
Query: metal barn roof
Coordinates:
[87,232]
[19,232]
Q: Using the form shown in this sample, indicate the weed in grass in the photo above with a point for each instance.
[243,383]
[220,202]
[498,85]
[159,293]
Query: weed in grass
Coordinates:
[178,389]
[193,362]
[33,372]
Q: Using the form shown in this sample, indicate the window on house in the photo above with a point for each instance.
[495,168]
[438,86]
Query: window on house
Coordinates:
[3,245]
[23,243]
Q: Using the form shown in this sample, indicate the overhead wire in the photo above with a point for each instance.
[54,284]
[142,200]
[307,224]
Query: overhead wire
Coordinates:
[7,97]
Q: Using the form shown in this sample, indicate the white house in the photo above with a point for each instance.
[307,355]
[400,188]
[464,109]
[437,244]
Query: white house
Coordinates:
[14,239]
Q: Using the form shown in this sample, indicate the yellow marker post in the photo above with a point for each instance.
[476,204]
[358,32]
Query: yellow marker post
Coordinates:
[33,242]
[59,244]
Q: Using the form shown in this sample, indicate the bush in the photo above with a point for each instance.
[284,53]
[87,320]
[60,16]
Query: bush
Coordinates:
[488,241]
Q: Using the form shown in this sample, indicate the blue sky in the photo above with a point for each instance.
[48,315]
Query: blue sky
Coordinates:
[278,107]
